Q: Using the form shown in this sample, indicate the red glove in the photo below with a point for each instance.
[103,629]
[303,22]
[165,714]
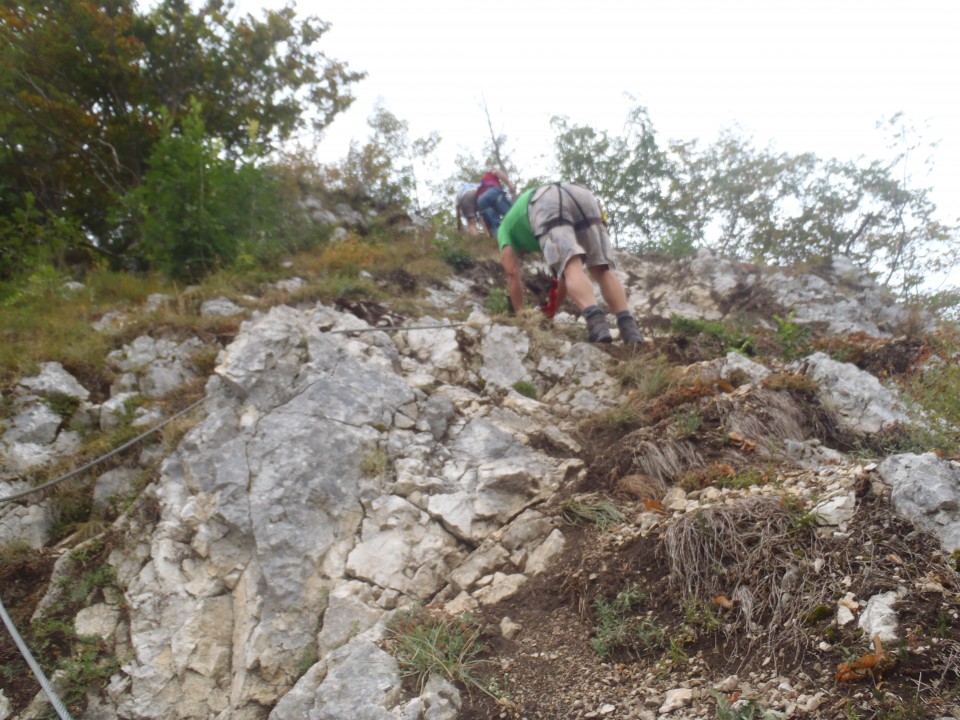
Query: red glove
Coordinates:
[550,307]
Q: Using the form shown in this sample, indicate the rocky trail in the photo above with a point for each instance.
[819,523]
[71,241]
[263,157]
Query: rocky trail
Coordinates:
[739,520]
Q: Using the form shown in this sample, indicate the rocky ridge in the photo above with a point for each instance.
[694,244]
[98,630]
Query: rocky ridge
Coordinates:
[340,472]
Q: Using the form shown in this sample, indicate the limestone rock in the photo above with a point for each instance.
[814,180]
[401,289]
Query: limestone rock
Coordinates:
[54,380]
[926,491]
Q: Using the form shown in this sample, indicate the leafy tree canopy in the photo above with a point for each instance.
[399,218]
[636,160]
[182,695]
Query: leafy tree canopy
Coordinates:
[87,87]
[760,205]
[383,169]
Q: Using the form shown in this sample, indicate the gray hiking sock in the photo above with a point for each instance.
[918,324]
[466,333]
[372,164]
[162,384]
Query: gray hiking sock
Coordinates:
[629,332]
[597,330]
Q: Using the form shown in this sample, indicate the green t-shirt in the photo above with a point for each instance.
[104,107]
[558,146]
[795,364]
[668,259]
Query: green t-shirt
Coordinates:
[515,229]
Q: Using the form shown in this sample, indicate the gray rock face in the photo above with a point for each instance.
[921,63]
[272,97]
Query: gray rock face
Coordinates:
[708,287]
[698,288]
[503,352]
[359,681]
[157,301]
[850,301]
[926,491]
[858,400]
[340,476]
[397,538]
[220,307]
[54,380]
[158,366]
[28,522]
[113,410]
[36,423]
[110,486]
[322,490]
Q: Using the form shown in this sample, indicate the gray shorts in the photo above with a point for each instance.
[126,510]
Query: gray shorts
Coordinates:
[467,203]
[566,220]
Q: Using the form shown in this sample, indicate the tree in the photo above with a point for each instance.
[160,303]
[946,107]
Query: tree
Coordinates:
[71,132]
[761,205]
[764,206]
[383,169]
[496,154]
[86,87]
[628,173]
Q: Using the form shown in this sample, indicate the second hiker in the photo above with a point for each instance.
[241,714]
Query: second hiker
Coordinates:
[492,200]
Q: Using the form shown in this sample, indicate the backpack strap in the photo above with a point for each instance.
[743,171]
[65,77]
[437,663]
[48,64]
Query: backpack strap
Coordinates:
[586,221]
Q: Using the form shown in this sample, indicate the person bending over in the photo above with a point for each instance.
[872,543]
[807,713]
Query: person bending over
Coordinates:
[563,221]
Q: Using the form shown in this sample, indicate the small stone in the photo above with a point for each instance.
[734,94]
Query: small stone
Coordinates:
[676,699]
[509,629]
[729,684]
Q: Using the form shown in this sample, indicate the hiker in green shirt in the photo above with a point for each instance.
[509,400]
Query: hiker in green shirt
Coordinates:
[564,222]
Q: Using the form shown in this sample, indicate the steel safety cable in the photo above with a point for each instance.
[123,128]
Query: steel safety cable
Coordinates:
[87,466]
[395,328]
[83,468]
[37,670]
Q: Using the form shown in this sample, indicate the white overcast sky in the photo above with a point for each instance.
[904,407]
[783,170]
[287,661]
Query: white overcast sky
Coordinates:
[813,76]
[805,76]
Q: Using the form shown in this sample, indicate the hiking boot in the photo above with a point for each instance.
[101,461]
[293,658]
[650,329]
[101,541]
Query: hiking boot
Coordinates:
[629,332]
[597,330]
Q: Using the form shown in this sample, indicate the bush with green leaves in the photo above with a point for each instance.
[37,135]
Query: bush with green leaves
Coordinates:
[457,258]
[497,302]
[935,389]
[620,628]
[727,336]
[434,643]
[793,339]
[185,211]
[199,209]
[526,388]
[31,240]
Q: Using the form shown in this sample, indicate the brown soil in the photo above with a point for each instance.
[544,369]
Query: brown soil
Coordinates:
[24,581]
[551,670]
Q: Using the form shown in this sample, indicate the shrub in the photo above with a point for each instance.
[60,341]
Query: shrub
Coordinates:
[728,337]
[526,388]
[794,340]
[603,514]
[198,210]
[458,259]
[427,643]
[184,210]
[497,302]
[618,627]
[31,239]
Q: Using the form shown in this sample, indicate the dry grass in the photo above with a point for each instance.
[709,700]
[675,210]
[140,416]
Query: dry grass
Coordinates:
[650,452]
[539,329]
[599,512]
[765,417]
[649,376]
[643,487]
[783,574]
[759,555]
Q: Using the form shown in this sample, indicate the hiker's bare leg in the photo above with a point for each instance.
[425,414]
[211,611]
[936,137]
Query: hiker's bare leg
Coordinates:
[579,286]
[610,287]
[511,268]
